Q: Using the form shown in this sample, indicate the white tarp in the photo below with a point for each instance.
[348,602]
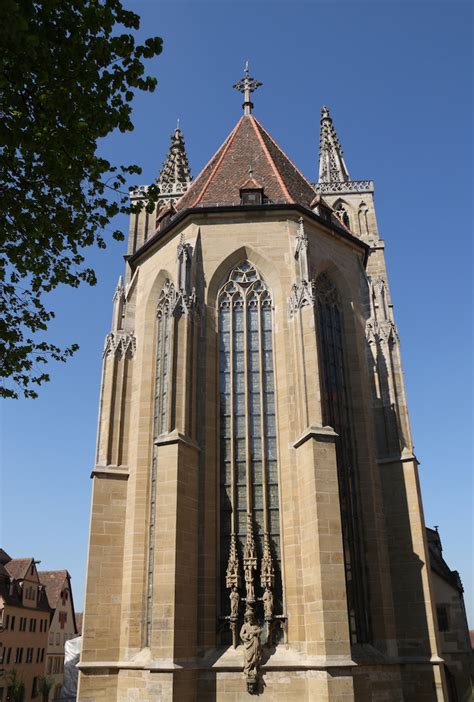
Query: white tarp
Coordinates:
[72,651]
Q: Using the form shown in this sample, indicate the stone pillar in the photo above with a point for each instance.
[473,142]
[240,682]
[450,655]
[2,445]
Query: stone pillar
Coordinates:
[324,586]
[102,607]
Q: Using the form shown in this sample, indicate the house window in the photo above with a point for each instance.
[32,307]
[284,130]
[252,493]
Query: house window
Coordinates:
[249,512]
[12,623]
[33,625]
[9,653]
[51,638]
[29,655]
[62,619]
[50,665]
[22,623]
[34,688]
[38,655]
[443,619]
[18,655]
[7,621]
[58,638]
[337,414]
[42,656]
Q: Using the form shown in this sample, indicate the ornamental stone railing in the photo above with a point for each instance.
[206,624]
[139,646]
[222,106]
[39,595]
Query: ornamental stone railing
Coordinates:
[347,186]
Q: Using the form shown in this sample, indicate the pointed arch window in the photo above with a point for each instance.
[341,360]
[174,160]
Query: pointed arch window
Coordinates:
[342,213]
[249,515]
[165,309]
[337,414]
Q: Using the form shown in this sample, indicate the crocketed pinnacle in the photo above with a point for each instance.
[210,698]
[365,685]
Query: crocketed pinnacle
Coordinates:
[331,162]
[176,166]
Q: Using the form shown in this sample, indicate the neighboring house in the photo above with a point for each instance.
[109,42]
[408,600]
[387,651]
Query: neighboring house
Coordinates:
[455,644]
[63,626]
[24,624]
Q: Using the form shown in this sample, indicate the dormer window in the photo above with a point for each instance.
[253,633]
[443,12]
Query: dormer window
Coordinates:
[251,192]
[251,197]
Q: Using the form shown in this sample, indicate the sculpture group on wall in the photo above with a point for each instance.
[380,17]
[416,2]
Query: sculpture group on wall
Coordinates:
[251,631]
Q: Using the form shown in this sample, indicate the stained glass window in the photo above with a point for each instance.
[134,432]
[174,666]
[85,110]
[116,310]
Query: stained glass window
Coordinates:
[248,455]
[337,414]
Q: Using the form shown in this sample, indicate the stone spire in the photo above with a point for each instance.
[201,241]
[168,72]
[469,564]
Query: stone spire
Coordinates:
[176,166]
[331,162]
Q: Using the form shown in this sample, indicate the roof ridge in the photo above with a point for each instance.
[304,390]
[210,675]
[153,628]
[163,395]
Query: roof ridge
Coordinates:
[272,162]
[224,147]
[285,154]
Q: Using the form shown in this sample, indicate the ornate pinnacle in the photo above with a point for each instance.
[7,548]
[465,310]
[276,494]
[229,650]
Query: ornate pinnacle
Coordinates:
[267,572]
[176,166]
[247,85]
[332,167]
[232,576]
[250,562]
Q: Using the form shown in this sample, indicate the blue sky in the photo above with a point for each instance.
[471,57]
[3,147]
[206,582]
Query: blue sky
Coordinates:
[396,77]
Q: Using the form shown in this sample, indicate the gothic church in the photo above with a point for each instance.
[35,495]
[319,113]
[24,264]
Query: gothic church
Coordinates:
[256,525]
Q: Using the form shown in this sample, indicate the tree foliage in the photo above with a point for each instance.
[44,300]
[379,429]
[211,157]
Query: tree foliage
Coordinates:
[45,683]
[16,686]
[70,69]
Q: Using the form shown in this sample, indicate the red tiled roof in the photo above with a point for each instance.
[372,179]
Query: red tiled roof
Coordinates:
[18,567]
[248,145]
[53,581]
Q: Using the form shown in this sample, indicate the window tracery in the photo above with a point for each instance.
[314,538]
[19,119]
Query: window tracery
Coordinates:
[342,213]
[249,517]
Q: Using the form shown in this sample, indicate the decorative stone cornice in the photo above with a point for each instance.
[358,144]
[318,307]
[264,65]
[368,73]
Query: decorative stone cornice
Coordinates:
[120,344]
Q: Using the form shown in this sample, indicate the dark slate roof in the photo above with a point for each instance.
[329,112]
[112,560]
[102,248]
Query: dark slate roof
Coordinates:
[248,146]
[53,581]
[4,557]
[437,562]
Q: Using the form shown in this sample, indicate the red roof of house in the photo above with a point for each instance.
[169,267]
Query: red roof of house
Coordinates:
[248,146]
[18,567]
[53,581]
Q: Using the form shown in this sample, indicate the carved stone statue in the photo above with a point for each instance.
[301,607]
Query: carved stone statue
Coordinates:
[267,600]
[234,603]
[249,585]
[250,637]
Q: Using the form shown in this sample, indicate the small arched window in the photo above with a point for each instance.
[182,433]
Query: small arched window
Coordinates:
[341,211]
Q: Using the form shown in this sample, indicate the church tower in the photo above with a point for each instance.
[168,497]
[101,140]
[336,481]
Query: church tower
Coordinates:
[256,524]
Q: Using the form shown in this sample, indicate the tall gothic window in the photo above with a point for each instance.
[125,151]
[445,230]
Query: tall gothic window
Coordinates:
[337,414]
[164,315]
[249,515]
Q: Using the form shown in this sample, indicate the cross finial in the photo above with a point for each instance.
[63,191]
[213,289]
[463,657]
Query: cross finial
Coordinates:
[247,85]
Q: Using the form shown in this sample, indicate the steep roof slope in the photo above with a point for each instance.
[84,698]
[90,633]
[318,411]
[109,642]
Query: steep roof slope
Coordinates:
[18,567]
[248,147]
[53,581]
